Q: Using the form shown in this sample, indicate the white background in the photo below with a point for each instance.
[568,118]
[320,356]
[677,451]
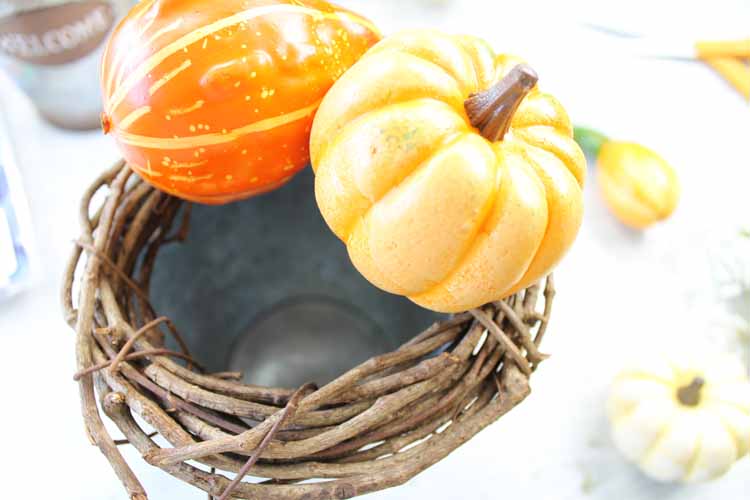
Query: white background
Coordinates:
[620,292]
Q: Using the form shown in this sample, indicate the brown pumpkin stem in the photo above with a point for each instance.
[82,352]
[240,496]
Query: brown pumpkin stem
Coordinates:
[492,111]
[690,395]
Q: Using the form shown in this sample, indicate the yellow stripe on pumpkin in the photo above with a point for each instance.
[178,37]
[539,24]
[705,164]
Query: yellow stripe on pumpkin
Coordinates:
[216,138]
[177,165]
[161,55]
[145,171]
[144,7]
[184,111]
[134,116]
[169,76]
[190,179]
[150,41]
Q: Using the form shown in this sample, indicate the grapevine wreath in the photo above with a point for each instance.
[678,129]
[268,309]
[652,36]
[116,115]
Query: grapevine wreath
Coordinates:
[451,178]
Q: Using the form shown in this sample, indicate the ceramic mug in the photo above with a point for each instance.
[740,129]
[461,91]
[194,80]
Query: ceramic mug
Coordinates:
[52,50]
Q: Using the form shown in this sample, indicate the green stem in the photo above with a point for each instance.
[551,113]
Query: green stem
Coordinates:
[590,140]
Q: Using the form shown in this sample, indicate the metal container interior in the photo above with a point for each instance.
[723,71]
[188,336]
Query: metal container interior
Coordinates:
[264,287]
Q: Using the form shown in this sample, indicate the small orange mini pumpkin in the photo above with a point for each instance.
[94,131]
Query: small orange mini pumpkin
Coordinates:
[452,179]
[213,101]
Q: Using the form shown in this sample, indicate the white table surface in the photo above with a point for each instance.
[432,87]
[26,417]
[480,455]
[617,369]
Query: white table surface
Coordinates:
[619,291]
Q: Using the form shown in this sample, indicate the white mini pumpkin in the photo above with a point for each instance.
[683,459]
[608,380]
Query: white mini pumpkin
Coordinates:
[685,420]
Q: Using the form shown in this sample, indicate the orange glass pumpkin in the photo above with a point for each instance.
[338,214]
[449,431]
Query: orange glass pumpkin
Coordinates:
[213,101]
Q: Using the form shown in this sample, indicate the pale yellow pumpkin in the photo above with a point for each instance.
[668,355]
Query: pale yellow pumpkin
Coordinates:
[683,418]
[428,207]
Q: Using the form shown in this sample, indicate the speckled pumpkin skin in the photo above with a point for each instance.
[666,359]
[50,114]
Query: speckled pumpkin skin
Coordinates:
[428,207]
[213,101]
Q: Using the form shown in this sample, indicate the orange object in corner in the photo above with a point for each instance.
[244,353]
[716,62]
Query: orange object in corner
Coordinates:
[736,72]
[707,49]
[729,58]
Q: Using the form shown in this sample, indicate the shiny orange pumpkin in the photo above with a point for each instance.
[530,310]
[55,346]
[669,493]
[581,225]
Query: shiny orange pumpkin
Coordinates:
[213,101]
